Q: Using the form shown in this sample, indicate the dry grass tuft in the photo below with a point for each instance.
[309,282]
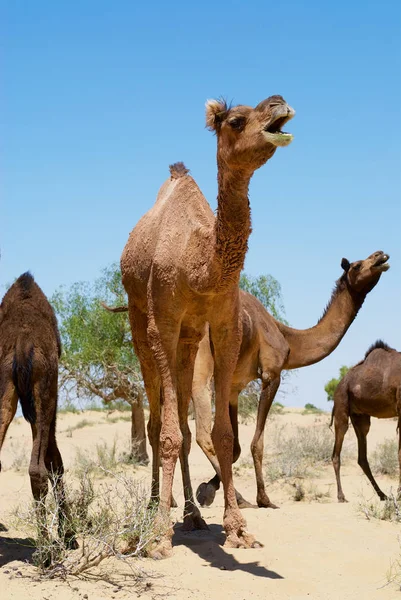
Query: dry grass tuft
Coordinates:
[385,458]
[297,454]
[111,518]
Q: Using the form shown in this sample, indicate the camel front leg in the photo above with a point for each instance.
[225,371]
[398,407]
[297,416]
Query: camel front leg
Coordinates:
[226,339]
[270,387]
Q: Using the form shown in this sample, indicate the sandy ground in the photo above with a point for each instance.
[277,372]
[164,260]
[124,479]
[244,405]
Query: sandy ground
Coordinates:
[312,549]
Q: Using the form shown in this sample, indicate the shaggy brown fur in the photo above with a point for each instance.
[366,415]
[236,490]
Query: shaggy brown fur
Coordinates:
[370,389]
[29,351]
[181,268]
[267,348]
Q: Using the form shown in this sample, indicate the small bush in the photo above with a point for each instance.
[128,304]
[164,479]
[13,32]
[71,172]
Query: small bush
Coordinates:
[311,409]
[276,408]
[389,510]
[296,455]
[112,518]
[299,493]
[385,458]
[80,425]
[20,457]
[118,418]
[248,402]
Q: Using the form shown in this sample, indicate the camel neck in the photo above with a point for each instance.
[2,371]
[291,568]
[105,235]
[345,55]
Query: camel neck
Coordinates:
[309,346]
[233,221]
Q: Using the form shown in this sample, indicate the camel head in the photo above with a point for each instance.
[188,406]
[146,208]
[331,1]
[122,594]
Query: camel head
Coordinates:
[247,137]
[363,275]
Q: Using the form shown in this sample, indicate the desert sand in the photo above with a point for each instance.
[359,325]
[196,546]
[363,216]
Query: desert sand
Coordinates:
[313,549]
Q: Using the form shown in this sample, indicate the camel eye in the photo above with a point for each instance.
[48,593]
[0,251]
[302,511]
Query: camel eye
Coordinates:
[357,267]
[237,123]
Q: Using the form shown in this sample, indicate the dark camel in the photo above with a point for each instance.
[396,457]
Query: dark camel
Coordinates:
[370,389]
[181,269]
[29,351]
[267,348]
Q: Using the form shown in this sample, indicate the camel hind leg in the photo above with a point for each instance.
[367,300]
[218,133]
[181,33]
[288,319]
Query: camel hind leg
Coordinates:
[55,471]
[361,425]
[8,404]
[270,387]
[151,379]
[186,355]
[163,329]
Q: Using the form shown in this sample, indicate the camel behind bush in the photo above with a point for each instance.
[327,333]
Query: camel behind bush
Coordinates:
[370,389]
[267,348]
[29,351]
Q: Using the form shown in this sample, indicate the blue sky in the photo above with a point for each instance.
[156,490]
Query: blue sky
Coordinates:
[98,98]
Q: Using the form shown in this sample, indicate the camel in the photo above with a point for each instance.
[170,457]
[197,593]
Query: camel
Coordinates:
[370,389]
[180,269]
[267,348]
[29,351]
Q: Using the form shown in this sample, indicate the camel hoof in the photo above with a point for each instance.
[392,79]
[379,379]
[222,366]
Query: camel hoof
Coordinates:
[205,494]
[194,523]
[162,549]
[342,500]
[383,497]
[242,539]
[242,503]
[263,501]
[267,504]
[193,519]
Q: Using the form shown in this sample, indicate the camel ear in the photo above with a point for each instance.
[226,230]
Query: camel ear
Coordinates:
[345,264]
[216,112]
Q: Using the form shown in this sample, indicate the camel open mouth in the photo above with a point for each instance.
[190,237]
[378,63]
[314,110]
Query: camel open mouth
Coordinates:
[382,263]
[273,131]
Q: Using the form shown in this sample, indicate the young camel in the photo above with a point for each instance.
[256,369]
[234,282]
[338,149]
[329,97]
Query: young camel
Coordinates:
[29,351]
[267,348]
[370,389]
[180,269]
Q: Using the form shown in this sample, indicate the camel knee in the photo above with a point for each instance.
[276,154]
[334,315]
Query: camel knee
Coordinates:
[205,443]
[336,461]
[257,449]
[38,476]
[170,443]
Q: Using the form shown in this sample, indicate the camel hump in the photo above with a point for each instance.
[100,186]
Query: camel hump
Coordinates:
[178,170]
[25,282]
[378,344]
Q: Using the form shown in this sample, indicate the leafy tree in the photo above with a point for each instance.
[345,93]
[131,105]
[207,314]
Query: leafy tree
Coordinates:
[268,291]
[98,359]
[331,385]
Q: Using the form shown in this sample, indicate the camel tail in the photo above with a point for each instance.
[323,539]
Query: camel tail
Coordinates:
[332,418]
[22,379]
[115,309]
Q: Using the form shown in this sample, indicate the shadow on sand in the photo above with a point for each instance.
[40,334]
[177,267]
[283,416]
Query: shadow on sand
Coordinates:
[208,545]
[16,549]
